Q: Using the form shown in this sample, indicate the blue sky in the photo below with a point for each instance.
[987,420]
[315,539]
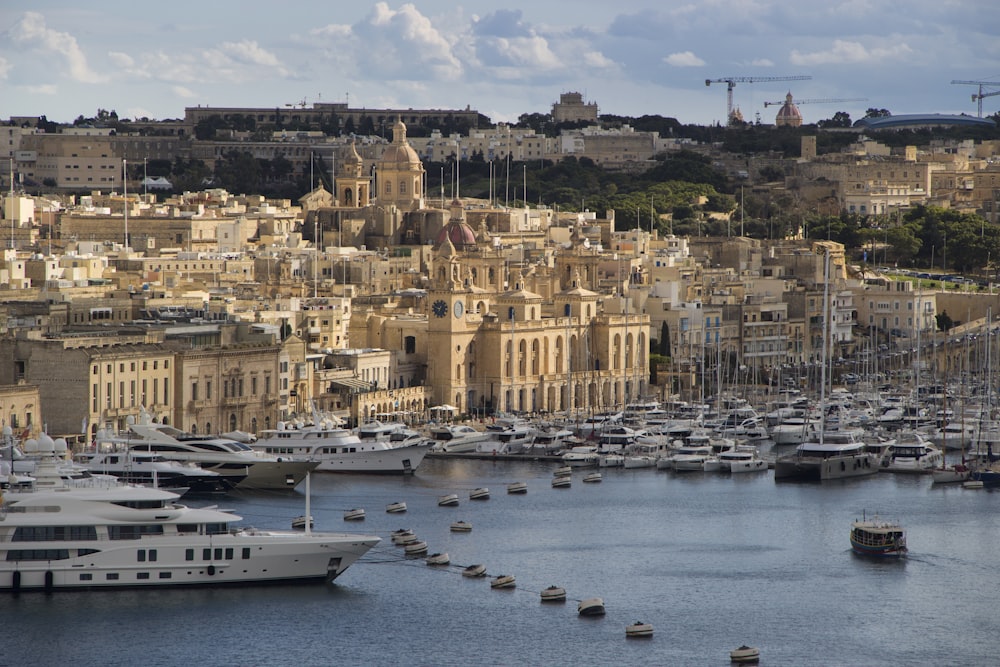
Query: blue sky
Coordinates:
[632,58]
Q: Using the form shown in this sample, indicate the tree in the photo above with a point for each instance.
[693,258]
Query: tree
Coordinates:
[840,119]
[944,322]
[872,112]
[665,339]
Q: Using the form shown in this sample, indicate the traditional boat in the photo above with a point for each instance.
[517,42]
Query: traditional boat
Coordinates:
[877,537]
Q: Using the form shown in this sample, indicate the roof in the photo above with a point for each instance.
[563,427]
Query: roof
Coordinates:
[922,120]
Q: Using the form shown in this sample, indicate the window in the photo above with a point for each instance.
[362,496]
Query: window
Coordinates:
[189,554]
[194,391]
[112,576]
[142,575]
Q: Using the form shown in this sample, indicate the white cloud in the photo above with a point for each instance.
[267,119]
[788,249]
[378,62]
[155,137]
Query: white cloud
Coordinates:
[684,59]
[843,52]
[31,29]
[761,62]
[248,51]
[5,67]
[181,91]
[404,44]
[597,59]
[122,60]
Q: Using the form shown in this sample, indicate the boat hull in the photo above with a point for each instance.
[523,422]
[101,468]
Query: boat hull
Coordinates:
[819,469]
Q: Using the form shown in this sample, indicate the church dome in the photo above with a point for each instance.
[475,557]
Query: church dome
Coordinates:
[789,114]
[459,233]
[400,154]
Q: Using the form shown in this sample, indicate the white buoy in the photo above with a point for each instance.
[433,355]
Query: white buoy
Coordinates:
[477,570]
[745,654]
[356,514]
[639,629]
[517,487]
[481,493]
[449,500]
[395,508]
[553,594]
[503,581]
[461,527]
[590,607]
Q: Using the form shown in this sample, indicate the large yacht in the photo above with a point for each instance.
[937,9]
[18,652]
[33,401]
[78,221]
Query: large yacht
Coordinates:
[153,469]
[221,455]
[837,455]
[102,533]
[339,450]
[456,438]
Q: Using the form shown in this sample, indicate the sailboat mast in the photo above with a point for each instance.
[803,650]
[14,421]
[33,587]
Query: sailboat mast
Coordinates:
[826,328]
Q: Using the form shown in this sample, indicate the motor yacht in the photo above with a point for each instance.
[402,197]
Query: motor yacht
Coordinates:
[690,458]
[838,455]
[581,456]
[913,455]
[152,469]
[456,438]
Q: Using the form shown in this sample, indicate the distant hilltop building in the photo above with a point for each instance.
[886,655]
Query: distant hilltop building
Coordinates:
[572,109]
[789,114]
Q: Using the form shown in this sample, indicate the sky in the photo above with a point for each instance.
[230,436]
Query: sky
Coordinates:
[64,58]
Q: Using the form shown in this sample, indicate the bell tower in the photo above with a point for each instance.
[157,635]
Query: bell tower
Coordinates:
[352,184]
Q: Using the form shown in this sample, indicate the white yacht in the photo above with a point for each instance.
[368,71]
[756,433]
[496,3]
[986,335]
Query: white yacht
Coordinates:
[226,457]
[378,430]
[596,423]
[456,438]
[108,534]
[795,430]
[581,456]
[339,450]
[549,441]
[914,455]
[507,438]
[690,458]
[840,454]
[742,458]
[153,469]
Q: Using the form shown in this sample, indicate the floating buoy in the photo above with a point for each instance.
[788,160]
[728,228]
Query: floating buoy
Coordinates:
[401,534]
[517,487]
[461,527]
[415,548]
[590,607]
[357,514]
[639,629]
[299,522]
[395,508]
[553,594]
[503,581]
[592,477]
[745,654]
[438,559]
[481,493]
[561,482]
[404,540]
[449,500]
[562,471]
[477,570]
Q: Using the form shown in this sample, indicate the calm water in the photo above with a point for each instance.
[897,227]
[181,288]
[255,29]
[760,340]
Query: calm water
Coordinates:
[711,561]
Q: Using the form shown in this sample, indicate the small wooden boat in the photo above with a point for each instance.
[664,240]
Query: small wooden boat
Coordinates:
[415,548]
[395,508]
[437,559]
[461,527]
[517,487]
[592,478]
[639,629]
[562,471]
[877,537]
[503,581]
[590,607]
[554,594]
[299,522]
[745,655]
[481,493]
[449,500]
[477,570]
[356,514]
[561,482]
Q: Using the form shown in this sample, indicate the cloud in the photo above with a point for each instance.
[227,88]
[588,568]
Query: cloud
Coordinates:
[844,52]
[404,44]
[31,29]
[5,67]
[181,91]
[502,23]
[41,89]
[597,59]
[684,59]
[761,62]
[248,51]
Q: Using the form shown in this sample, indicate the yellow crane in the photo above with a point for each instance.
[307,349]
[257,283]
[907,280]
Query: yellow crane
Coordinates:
[978,97]
[731,82]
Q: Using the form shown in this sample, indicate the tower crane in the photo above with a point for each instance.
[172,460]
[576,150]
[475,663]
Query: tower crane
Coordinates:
[731,82]
[827,100]
[978,97]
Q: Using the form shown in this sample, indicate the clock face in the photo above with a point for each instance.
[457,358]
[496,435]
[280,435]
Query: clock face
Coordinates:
[459,309]
[440,308]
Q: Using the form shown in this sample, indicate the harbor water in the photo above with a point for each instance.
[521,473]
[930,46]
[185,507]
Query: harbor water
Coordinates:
[711,561]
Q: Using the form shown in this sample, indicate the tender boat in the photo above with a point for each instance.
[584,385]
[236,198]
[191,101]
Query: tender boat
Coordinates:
[438,559]
[461,527]
[395,508]
[593,477]
[639,630]
[299,522]
[337,449]
[517,487]
[477,570]
[590,607]
[481,493]
[877,537]
[745,655]
[415,548]
[503,581]
[561,482]
[179,545]
[379,430]
[356,514]
[553,594]
[448,500]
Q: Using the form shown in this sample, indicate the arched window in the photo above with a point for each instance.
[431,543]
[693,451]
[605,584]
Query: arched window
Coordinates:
[534,357]
[522,357]
[388,187]
[232,422]
[616,352]
[402,187]
[194,428]
[348,197]
[253,424]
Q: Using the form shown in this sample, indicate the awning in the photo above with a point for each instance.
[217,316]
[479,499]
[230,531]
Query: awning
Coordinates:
[352,384]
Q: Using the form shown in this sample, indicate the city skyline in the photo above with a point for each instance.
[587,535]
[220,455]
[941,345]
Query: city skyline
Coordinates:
[63,61]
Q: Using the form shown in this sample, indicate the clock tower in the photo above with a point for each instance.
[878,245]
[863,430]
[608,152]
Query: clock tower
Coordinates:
[450,330]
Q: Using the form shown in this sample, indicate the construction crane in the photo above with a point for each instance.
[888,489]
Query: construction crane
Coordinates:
[828,100]
[978,97]
[731,82]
